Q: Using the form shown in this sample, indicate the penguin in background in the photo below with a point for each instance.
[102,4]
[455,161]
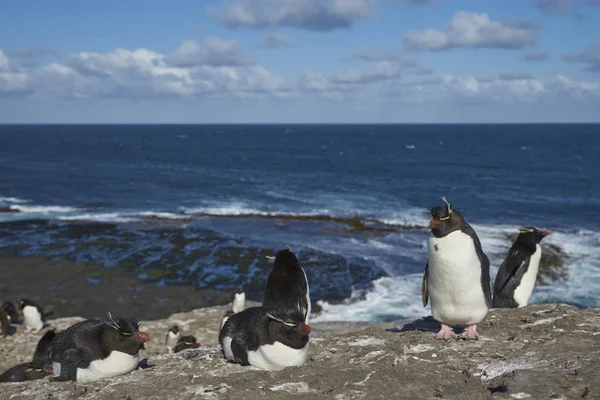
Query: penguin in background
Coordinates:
[238,304]
[11,311]
[173,335]
[287,285]
[4,323]
[186,342]
[95,349]
[34,318]
[268,338]
[517,275]
[38,368]
[457,274]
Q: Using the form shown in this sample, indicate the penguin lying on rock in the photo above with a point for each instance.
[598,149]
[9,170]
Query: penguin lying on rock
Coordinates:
[95,349]
[268,338]
[38,368]
[34,318]
[287,285]
[457,274]
[186,342]
[516,276]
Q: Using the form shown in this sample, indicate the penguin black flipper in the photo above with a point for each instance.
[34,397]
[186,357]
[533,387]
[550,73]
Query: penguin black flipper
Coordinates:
[41,357]
[71,360]
[486,283]
[509,275]
[425,286]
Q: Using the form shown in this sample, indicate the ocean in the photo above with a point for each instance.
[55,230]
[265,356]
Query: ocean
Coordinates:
[203,205]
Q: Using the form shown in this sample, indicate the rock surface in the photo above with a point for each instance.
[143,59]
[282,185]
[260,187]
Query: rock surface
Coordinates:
[543,351]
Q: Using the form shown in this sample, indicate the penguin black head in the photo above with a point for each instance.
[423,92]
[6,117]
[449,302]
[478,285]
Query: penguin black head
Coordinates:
[445,219]
[26,302]
[285,258]
[174,329]
[186,342]
[11,311]
[287,326]
[530,236]
[123,334]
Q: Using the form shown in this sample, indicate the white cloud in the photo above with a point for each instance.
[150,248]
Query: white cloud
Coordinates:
[274,39]
[142,73]
[475,30]
[590,56]
[316,15]
[217,52]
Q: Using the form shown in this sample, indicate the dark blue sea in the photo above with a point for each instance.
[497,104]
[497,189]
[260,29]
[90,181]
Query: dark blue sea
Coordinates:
[204,204]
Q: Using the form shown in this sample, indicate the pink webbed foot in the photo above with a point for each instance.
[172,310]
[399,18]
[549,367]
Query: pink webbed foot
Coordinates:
[28,330]
[470,333]
[445,333]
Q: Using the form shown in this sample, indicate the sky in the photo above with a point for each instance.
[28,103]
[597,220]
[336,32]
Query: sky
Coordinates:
[300,61]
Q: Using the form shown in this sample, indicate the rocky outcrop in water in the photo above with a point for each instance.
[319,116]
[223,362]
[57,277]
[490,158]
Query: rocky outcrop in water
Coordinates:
[545,351]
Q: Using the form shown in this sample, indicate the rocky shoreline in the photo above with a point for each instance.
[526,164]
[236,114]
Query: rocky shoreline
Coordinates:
[544,351]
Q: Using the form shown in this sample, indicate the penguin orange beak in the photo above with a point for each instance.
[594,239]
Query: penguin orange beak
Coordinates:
[434,223]
[303,329]
[545,233]
[142,337]
[196,345]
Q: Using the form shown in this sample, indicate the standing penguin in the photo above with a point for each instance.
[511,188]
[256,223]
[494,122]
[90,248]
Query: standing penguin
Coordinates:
[172,338]
[12,312]
[457,274]
[516,277]
[239,301]
[287,285]
[95,349]
[34,317]
[268,338]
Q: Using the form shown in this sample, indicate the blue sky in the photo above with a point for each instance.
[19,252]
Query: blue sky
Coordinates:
[300,61]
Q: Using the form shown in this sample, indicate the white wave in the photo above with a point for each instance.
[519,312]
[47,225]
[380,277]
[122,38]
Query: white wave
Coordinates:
[43,209]
[165,215]
[399,297]
[99,217]
[413,216]
[14,200]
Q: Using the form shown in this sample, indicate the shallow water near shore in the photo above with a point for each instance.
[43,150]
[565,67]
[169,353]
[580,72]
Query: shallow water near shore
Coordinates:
[200,207]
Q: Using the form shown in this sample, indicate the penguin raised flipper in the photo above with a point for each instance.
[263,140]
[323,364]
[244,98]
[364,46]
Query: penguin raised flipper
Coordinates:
[287,285]
[41,356]
[268,338]
[95,349]
[517,275]
[457,274]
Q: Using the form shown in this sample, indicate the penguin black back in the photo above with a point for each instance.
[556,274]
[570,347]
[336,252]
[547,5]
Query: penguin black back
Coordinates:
[4,323]
[41,357]
[287,285]
[516,265]
[11,311]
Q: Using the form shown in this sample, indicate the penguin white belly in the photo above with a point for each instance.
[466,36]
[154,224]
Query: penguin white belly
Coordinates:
[277,356]
[171,341]
[117,363]
[223,320]
[32,318]
[239,302]
[307,297]
[227,348]
[523,292]
[454,281]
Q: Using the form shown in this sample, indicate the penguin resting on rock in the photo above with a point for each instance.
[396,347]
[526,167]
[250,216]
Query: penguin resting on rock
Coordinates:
[457,274]
[268,338]
[38,368]
[172,338]
[186,342]
[287,285]
[95,349]
[34,317]
[516,276]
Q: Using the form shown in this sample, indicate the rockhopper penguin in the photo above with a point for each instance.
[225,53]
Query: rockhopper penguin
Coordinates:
[457,274]
[96,349]
[172,338]
[268,338]
[287,285]
[34,318]
[517,275]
